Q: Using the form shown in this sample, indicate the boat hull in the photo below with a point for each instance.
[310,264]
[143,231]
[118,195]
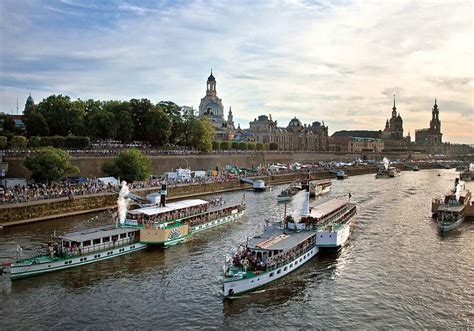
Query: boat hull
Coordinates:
[234,287]
[22,271]
[443,226]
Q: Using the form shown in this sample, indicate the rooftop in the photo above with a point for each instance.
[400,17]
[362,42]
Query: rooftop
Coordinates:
[155,210]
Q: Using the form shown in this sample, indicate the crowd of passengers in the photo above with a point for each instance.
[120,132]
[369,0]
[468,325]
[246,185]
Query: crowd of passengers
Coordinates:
[250,260]
[167,216]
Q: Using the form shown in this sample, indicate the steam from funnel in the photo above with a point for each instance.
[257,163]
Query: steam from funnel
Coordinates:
[386,163]
[300,206]
[123,201]
[458,190]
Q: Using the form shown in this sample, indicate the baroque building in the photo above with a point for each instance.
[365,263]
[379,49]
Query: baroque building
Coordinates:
[393,126]
[294,137]
[211,107]
[432,135]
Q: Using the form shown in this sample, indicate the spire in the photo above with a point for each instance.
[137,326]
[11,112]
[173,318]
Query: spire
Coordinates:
[394,107]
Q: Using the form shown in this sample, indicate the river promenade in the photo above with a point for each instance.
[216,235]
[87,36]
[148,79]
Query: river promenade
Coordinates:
[42,210]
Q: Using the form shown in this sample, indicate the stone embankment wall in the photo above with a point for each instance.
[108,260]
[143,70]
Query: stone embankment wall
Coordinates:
[47,209]
[91,166]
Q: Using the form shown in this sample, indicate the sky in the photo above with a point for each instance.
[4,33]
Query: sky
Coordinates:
[339,61]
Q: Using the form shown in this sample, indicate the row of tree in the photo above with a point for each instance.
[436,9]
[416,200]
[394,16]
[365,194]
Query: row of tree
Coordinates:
[52,164]
[134,120]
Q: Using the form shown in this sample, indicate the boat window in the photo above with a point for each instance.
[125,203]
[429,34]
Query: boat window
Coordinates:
[271,274]
[86,243]
[123,235]
[96,241]
[285,268]
[278,271]
[115,237]
[131,234]
[105,239]
[291,264]
[66,243]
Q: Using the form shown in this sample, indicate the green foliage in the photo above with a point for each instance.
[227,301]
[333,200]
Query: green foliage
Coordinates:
[3,142]
[35,124]
[50,164]
[174,113]
[157,127]
[76,142]
[18,142]
[235,145]
[266,147]
[8,124]
[140,108]
[251,146]
[124,123]
[34,142]
[100,124]
[216,145]
[273,146]
[259,146]
[225,145]
[53,141]
[129,165]
[62,116]
[243,146]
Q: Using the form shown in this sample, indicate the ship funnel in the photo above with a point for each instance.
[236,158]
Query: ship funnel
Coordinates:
[163,194]
[123,201]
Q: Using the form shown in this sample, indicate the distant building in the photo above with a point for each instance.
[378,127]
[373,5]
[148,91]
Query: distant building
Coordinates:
[356,141]
[294,137]
[211,107]
[431,136]
[393,126]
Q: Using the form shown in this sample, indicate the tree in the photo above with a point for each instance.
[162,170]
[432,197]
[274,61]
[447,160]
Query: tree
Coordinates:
[34,142]
[157,127]
[235,145]
[243,146]
[36,124]
[9,124]
[273,146]
[174,113]
[188,123]
[259,146]
[3,142]
[251,146]
[201,133]
[63,116]
[124,123]
[225,145]
[18,142]
[100,124]
[129,165]
[139,110]
[50,164]
[216,145]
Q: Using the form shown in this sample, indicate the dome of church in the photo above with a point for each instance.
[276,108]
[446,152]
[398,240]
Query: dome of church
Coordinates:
[295,122]
[29,100]
[211,77]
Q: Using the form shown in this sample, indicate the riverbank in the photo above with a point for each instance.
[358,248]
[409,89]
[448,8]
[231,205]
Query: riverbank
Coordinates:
[37,211]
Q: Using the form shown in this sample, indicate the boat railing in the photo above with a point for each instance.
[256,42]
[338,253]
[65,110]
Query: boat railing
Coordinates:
[282,263]
[99,247]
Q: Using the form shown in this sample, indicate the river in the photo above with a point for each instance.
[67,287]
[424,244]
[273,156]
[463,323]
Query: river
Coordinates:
[396,271]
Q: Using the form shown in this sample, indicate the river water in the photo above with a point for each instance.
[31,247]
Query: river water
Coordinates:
[396,271]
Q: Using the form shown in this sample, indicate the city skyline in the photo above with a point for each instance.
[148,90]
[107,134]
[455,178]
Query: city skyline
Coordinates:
[338,62]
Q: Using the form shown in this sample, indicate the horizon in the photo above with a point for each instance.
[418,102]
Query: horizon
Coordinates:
[286,58]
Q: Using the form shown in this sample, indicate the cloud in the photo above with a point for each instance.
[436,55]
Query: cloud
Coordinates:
[340,62]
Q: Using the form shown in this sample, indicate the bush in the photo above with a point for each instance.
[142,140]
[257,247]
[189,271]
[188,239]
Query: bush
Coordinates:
[273,146]
[129,165]
[216,145]
[34,141]
[225,145]
[54,141]
[259,146]
[251,146]
[235,145]
[3,142]
[18,142]
[243,146]
[50,164]
[77,142]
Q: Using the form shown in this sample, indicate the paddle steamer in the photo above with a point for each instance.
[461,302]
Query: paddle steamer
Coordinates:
[284,247]
[451,210]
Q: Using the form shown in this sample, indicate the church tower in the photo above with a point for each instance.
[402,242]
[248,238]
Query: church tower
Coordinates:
[29,105]
[435,123]
[230,118]
[211,85]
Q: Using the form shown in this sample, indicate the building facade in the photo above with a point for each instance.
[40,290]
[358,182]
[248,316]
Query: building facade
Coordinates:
[431,136]
[294,137]
[211,106]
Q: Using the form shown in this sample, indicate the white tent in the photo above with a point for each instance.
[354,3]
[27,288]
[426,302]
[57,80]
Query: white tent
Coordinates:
[108,180]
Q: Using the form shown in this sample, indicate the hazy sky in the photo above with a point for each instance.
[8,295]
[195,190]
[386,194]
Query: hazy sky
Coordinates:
[334,61]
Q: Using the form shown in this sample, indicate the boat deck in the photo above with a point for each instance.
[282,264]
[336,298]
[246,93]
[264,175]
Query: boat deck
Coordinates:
[277,239]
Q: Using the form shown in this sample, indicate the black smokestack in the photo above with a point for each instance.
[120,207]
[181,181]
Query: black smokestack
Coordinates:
[456,181]
[163,194]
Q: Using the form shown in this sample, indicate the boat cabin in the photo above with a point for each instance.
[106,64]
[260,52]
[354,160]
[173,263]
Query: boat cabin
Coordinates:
[98,239]
[323,213]
[172,211]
